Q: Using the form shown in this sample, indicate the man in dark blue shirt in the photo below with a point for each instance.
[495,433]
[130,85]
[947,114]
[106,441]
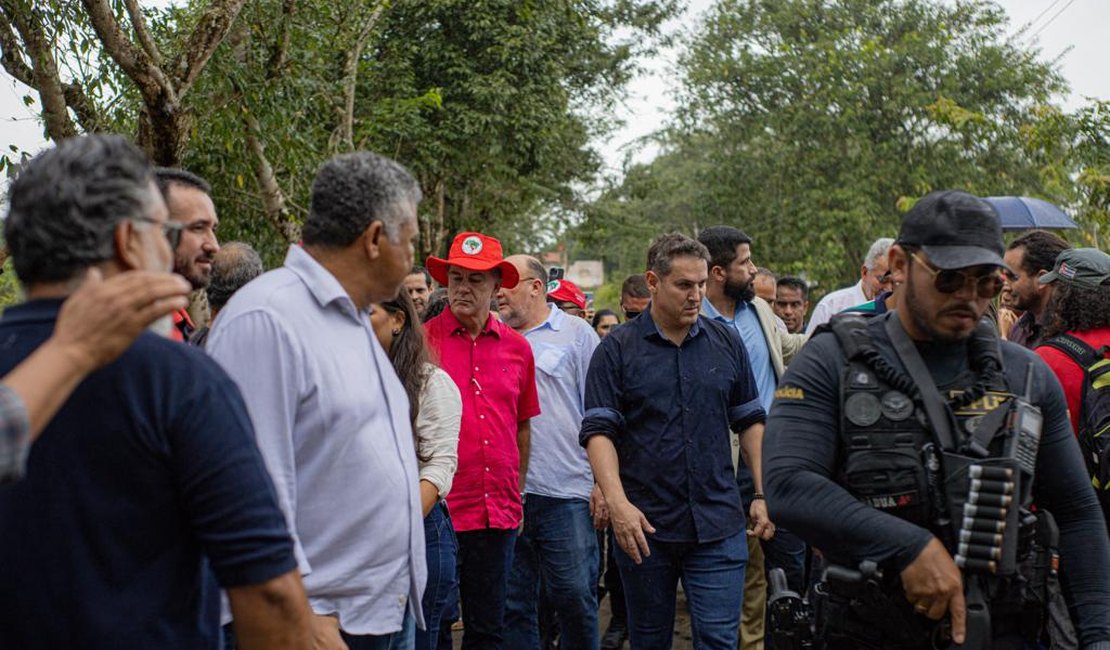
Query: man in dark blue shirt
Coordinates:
[661,394]
[149,473]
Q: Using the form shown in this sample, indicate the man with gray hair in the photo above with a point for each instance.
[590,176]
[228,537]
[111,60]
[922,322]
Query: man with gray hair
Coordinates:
[330,414]
[662,393]
[147,480]
[873,278]
[236,264]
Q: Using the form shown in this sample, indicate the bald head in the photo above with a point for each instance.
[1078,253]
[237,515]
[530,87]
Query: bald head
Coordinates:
[525,305]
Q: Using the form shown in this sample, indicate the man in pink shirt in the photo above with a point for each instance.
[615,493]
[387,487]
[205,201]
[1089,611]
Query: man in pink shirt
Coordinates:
[494,369]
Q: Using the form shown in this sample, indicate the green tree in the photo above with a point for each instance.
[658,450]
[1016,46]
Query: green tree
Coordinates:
[813,123]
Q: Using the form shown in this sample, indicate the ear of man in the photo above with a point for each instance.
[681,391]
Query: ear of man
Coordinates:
[372,239]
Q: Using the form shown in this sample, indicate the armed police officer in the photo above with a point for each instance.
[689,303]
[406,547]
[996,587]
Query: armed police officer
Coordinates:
[909,448]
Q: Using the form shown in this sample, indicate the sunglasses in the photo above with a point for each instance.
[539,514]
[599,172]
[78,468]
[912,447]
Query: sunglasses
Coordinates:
[945,281]
[629,315]
[171,229]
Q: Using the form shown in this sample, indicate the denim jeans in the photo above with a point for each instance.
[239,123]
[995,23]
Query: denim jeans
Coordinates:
[441,548]
[557,549]
[403,639]
[712,576]
[485,557]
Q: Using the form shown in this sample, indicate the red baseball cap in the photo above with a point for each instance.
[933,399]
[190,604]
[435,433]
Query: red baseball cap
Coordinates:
[474,251]
[565,290]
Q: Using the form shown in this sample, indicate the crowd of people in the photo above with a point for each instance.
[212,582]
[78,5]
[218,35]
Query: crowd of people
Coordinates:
[355,451]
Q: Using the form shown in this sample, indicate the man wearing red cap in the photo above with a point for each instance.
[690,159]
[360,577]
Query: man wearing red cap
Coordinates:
[495,372]
[567,296]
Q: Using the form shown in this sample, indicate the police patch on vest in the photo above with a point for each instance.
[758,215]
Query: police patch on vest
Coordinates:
[897,406]
[888,501]
[863,409]
[985,404]
[790,392]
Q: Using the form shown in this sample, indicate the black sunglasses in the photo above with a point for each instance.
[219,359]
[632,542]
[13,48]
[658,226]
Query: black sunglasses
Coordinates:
[171,229]
[629,315]
[951,281]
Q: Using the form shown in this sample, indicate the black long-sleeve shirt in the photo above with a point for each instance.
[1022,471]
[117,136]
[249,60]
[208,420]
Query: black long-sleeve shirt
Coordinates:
[801,450]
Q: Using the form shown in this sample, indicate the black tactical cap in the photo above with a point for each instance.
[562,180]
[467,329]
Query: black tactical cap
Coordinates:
[955,230]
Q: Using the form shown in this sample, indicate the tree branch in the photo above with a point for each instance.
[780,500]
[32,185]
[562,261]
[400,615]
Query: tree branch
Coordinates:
[152,83]
[273,199]
[138,23]
[281,43]
[202,43]
[10,55]
[345,132]
[44,69]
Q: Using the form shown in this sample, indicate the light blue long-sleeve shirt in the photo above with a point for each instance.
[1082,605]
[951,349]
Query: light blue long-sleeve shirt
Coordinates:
[557,465]
[332,422]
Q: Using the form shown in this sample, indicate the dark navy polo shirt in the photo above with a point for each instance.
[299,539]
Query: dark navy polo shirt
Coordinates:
[146,475]
[668,410]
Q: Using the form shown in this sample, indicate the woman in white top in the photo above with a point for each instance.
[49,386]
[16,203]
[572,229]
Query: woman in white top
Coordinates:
[435,411]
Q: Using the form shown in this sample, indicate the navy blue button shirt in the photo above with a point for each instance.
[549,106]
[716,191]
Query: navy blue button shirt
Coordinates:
[147,474]
[668,410]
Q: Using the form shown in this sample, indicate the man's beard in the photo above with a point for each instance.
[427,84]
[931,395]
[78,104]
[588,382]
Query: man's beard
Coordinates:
[920,315]
[740,291]
[196,278]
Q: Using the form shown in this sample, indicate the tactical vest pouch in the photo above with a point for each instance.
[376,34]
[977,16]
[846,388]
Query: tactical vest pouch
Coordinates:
[892,480]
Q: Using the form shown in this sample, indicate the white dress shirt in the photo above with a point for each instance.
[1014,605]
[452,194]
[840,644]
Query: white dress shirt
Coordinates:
[834,303]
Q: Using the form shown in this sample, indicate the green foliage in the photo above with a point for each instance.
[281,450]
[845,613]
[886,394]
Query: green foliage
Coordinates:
[811,124]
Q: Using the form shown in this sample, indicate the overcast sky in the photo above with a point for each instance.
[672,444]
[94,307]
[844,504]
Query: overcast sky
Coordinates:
[1059,25]
[1080,25]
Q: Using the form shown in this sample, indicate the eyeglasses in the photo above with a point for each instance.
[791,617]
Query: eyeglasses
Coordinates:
[171,229]
[629,315]
[951,281]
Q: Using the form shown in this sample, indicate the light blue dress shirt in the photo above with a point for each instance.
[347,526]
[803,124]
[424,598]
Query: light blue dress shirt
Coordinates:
[558,465]
[332,422]
[746,323]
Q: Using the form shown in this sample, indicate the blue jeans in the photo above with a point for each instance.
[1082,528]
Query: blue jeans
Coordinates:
[403,639]
[712,576]
[484,559]
[441,548]
[558,549]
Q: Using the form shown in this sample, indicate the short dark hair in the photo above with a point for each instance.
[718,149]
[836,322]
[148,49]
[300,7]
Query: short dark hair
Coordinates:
[1040,250]
[422,271]
[233,267]
[437,302]
[722,241]
[352,191]
[1073,308]
[791,282]
[635,286]
[66,202]
[667,247]
[167,176]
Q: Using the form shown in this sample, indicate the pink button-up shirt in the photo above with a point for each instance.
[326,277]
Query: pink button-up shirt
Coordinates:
[496,374]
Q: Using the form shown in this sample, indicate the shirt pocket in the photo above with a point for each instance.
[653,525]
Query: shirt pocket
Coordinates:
[552,361]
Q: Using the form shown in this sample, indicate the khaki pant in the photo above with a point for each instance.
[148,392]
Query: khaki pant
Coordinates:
[753,610]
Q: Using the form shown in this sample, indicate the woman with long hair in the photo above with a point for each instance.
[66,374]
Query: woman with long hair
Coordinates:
[435,409]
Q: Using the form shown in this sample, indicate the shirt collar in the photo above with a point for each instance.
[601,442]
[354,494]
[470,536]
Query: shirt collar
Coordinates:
[648,326]
[33,311]
[323,286]
[492,326]
[555,320]
[711,312]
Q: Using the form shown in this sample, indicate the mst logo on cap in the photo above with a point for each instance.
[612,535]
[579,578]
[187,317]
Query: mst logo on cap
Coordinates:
[472,245]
